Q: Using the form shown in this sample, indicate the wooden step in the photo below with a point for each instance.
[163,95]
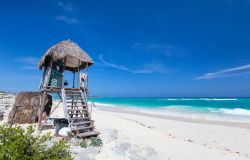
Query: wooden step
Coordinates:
[80,114]
[88,134]
[71,89]
[74,95]
[78,95]
[82,106]
[79,118]
[72,92]
[81,123]
[74,102]
[73,110]
[74,98]
[82,128]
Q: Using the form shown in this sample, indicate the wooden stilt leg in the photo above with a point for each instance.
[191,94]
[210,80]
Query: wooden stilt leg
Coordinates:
[40,112]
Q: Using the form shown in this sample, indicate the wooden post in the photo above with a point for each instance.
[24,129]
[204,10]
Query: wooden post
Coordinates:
[40,111]
[47,75]
[42,79]
[63,73]
[74,75]
[87,81]
[78,71]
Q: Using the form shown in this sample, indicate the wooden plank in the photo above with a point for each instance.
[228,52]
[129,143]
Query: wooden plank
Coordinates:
[84,122]
[80,110]
[77,106]
[82,128]
[74,98]
[74,101]
[40,111]
[79,118]
[79,113]
[72,89]
[72,93]
[88,134]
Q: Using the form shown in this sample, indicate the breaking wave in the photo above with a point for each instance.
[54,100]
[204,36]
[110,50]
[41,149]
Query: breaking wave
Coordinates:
[236,111]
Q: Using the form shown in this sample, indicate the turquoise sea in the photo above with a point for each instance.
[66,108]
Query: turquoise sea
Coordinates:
[226,109]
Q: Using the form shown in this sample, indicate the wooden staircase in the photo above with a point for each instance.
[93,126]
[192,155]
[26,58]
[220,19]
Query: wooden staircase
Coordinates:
[77,112]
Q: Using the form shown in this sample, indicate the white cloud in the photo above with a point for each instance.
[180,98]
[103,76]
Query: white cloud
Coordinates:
[108,64]
[29,67]
[66,7]
[29,63]
[165,49]
[153,67]
[226,72]
[68,15]
[28,60]
[66,19]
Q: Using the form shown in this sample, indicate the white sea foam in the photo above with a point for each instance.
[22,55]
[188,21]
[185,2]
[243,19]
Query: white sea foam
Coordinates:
[172,99]
[206,99]
[105,105]
[188,99]
[168,99]
[195,99]
[219,99]
[222,114]
[175,111]
[236,111]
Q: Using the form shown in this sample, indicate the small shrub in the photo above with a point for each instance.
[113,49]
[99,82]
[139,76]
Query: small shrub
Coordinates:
[83,143]
[95,142]
[70,135]
[18,144]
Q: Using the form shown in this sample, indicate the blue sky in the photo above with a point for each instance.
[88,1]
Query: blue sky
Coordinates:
[140,48]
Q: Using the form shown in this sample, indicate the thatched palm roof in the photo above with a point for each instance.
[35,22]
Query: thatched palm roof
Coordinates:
[71,51]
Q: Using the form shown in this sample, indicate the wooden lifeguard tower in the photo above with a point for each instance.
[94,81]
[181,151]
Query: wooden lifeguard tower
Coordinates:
[67,56]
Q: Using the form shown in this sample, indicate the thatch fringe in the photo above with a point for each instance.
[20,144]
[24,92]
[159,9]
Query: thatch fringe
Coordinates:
[26,107]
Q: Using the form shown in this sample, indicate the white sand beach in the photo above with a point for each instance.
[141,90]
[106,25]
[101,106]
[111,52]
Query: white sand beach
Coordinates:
[145,137]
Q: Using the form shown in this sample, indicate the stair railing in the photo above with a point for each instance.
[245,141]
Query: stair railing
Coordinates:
[92,104]
[84,98]
[65,108]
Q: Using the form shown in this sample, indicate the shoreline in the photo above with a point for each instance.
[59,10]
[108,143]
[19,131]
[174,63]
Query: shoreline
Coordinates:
[129,134]
[175,118]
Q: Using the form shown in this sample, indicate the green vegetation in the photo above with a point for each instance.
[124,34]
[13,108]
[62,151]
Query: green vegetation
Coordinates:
[95,142]
[2,92]
[70,135]
[18,144]
[84,143]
